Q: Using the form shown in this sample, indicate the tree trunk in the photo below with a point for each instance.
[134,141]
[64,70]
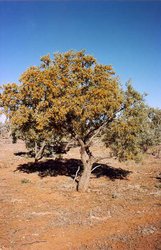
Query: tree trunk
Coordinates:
[39,152]
[84,179]
[158,152]
[87,167]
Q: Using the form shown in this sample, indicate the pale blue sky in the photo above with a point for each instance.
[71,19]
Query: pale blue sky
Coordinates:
[126,34]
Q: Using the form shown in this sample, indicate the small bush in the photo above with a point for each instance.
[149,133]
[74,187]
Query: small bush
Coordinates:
[24,181]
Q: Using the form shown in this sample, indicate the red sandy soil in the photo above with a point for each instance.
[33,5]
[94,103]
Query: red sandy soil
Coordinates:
[40,209]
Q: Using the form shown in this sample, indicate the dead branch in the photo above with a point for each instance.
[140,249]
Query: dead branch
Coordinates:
[33,242]
[76,174]
[95,168]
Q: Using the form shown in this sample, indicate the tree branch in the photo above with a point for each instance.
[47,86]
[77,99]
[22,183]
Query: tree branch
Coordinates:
[92,134]
[76,174]
[39,154]
[80,141]
[68,144]
[95,168]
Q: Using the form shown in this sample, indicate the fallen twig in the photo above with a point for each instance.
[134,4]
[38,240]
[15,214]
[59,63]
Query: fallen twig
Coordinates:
[33,242]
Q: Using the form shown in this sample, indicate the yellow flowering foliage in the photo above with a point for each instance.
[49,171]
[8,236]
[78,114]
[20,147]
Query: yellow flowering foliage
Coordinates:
[70,94]
[20,104]
[80,93]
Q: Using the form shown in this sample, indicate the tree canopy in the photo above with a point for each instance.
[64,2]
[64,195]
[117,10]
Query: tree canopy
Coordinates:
[74,96]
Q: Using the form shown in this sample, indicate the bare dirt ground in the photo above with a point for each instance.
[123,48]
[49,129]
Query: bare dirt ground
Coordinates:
[40,209]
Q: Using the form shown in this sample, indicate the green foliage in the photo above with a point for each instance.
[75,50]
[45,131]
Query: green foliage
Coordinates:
[135,130]
[123,135]
[151,133]
[4,131]
[154,116]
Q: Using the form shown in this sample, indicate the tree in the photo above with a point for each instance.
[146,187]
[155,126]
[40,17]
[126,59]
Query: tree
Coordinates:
[125,135]
[4,131]
[23,104]
[72,96]
[135,130]
[151,135]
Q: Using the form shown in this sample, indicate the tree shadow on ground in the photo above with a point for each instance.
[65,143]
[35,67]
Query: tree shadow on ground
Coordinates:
[69,167]
[23,154]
